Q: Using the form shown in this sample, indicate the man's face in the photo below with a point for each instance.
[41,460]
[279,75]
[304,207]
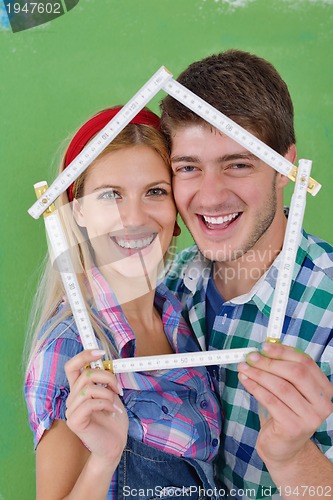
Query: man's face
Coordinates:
[227,197]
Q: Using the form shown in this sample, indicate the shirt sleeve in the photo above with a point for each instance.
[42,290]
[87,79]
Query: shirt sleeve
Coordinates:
[46,387]
[324,435]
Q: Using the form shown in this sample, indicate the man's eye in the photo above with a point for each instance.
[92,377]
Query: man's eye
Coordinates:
[108,195]
[185,168]
[157,192]
[239,166]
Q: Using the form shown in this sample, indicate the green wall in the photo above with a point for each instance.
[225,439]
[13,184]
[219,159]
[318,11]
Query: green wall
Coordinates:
[98,54]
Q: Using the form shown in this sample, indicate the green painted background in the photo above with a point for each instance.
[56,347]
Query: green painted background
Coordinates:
[54,76]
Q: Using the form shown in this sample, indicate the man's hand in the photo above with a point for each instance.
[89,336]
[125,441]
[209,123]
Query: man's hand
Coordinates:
[296,395]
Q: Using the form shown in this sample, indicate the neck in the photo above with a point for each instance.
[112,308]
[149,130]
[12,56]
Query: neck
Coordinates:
[130,290]
[147,325]
[237,277]
[141,309]
[136,299]
[135,295]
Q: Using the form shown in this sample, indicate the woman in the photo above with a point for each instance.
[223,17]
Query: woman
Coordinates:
[149,434]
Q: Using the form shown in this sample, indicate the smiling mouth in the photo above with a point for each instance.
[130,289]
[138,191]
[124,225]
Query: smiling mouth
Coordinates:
[221,222]
[134,243]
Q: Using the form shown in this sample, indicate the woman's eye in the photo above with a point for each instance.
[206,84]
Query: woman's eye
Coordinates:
[108,195]
[157,192]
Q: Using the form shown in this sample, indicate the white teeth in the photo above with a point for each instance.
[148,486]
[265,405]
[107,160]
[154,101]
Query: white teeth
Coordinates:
[142,243]
[220,220]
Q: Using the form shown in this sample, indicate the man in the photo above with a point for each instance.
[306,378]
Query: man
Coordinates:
[232,203]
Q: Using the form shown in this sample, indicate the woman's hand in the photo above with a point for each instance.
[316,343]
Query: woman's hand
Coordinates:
[95,413]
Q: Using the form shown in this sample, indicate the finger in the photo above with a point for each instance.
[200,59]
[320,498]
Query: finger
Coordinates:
[279,389]
[102,377]
[93,377]
[282,414]
[282,351]
[90,391]
[271,390]
[296,367]
[287,424]
[74,366]
[78,421]
[303,374]
[293,354]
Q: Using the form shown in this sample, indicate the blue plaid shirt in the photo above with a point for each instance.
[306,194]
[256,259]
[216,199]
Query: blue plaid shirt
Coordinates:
[242,322]
[175,411]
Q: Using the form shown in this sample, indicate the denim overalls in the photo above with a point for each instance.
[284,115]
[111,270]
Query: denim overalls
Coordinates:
[146,473]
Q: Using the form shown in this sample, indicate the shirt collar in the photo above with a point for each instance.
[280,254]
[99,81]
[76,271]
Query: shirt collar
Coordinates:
[197,275]
[263,291]
[110,309]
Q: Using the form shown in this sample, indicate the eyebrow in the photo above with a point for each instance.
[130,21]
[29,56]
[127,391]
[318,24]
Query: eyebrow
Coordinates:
[221,159]
[111,186]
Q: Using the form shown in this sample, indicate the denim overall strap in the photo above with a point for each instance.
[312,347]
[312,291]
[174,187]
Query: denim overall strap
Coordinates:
[205,471]
[146,473]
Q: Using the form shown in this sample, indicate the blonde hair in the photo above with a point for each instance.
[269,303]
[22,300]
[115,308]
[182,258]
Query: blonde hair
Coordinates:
[50,293]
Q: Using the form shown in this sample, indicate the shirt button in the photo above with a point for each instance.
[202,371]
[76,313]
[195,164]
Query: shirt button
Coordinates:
[165,409]
[215,442]
[204,404]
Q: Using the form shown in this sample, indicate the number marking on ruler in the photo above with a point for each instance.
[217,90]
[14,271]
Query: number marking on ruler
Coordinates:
[289,251]
[235,131]
[162,79]
[60,256]
[102,139]
[179,360]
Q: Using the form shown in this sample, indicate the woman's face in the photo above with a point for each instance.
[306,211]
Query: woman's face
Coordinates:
[128,210]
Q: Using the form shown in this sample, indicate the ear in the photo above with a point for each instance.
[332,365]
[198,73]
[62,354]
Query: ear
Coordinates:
[78,214]
[291,156]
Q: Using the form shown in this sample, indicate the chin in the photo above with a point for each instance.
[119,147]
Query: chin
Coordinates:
[136,266]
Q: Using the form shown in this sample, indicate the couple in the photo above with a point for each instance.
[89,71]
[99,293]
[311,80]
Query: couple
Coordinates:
[162,434]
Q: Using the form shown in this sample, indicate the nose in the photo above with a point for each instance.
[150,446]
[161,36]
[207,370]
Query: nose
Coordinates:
[213,190]
[133,213]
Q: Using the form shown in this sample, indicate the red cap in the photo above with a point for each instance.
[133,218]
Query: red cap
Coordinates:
[95,125]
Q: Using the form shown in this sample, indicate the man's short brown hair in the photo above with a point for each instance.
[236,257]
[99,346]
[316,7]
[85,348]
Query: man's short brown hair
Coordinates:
[244,87]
